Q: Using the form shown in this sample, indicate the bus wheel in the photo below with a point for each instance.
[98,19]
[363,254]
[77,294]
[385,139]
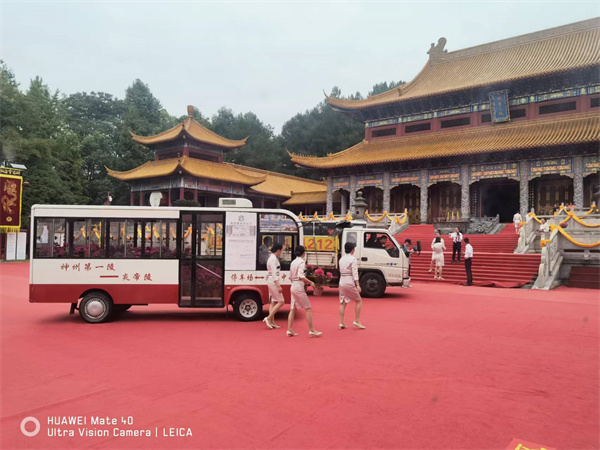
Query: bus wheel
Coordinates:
[247,307]
[372,285]
[96,307]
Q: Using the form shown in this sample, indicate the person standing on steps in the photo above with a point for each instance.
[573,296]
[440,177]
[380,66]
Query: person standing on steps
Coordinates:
[438,248]
[468,261]
[349,286]
[273,283]
[517,219]
[298,291]
[432,263]
[457,238]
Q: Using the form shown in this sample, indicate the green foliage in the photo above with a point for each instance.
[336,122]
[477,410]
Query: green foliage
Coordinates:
[380,88]
[321,131]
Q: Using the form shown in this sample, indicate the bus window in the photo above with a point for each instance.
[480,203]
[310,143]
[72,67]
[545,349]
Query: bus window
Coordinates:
[288,243]
[118,239]
[97,245]
[210,239]
[81,234]
[134,239]
[152,240]
[169,240]
[51,238]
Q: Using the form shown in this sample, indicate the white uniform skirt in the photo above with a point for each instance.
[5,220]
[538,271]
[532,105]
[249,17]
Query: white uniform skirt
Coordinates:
[274,293]
[348,291]
[299,297]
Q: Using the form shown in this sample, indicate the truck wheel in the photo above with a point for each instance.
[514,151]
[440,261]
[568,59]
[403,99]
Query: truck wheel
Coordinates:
[96,307]
[372,285]
[247,307]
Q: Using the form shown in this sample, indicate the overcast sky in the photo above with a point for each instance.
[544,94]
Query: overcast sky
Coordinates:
[271,58]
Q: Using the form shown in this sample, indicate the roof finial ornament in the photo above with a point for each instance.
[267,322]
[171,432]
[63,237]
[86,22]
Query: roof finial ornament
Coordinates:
[191,109]
[436,52]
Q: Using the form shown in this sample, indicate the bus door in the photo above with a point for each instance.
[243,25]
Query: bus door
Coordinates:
[201,263]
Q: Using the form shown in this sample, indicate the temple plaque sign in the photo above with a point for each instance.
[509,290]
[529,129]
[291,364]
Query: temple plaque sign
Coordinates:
[560,166]
[502,170]
[413,177]
[449,174]
[375,179]
[341,183]
[591,164]
[499,106]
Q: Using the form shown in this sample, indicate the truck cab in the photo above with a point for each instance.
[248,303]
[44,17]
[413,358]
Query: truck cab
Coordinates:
[381,260]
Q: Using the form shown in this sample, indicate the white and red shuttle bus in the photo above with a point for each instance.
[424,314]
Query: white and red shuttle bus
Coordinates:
[105,259]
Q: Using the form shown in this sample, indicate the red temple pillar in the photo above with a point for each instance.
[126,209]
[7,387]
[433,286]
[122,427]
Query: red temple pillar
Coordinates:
[170,203]
[195,195]
[131,198]
[262,202]
[141,198]
[181,193]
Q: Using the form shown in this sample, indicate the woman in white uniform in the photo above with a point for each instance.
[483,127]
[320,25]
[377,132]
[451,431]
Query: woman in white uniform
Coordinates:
[299,297]
[438,248]
[275,290]
[349,286]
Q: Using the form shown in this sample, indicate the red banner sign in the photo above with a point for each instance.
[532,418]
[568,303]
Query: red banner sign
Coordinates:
[11,192]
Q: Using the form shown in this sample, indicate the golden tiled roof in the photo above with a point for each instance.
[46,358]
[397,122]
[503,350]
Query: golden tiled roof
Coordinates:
[194,130]
[282,185]
[193,166]
[307,198]
[262,181]
[558,130]
[549,51]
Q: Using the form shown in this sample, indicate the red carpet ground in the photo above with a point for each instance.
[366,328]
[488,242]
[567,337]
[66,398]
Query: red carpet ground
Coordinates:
[440,366]
[494,263]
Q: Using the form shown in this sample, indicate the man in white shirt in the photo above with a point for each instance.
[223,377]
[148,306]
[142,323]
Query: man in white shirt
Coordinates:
[468,261]
[457,238]
[517,219]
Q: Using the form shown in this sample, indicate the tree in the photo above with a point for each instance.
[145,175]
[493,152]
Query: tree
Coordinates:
[380,88]
[320,131]
[262,150]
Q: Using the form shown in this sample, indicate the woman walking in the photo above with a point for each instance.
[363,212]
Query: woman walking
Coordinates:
[438,248]
[275,290]
[299,297]
[349,286]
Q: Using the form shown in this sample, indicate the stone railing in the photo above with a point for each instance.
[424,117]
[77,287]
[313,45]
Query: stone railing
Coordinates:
[482,225]
[574,243]
[549,264]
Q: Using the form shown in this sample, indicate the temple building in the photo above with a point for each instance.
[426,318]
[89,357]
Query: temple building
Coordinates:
[188,164]
[492,129]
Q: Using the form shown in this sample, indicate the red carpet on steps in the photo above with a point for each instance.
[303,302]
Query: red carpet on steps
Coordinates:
[494,263]
[440,366]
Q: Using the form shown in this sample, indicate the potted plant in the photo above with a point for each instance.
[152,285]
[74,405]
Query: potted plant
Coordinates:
[319,277]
